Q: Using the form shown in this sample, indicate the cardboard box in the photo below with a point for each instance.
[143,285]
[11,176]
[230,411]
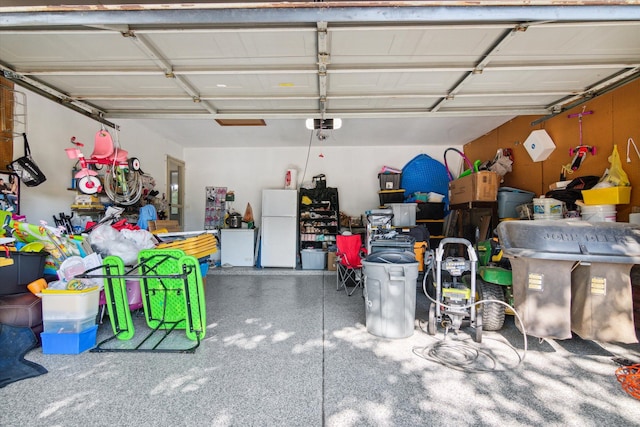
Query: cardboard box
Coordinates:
[331,261]
[477,187]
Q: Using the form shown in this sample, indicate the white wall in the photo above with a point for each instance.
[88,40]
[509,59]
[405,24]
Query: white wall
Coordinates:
[353,170]
[50,128]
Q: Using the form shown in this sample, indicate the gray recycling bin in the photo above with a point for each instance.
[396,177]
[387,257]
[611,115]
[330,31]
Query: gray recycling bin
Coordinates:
[573,276]
[390,293]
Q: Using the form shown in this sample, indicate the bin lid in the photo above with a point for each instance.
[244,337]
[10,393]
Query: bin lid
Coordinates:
[392,257]
[514,190]
[609,242]
[395,240]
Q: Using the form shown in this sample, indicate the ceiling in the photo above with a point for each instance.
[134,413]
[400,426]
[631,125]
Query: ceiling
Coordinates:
[409,72]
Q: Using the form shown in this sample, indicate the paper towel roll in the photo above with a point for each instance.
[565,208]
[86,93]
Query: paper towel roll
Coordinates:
[634,218]
[291,179]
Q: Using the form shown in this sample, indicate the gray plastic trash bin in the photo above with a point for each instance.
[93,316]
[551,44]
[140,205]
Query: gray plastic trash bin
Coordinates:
[573,276]
[390,293]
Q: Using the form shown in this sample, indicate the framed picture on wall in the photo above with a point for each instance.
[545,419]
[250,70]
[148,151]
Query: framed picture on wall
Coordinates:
[9,192]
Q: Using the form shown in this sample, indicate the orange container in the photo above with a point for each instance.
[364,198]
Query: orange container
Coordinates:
[419,248]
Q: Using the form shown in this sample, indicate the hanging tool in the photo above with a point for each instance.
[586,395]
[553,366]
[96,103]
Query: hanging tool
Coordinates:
[581,151]
[629,142]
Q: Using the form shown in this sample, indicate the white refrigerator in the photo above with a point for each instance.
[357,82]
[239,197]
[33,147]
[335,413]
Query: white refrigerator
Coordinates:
[279,229]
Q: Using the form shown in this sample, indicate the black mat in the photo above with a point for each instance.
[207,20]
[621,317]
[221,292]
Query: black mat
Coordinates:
[15,342]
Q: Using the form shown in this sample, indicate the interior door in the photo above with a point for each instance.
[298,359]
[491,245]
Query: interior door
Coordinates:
[175,189]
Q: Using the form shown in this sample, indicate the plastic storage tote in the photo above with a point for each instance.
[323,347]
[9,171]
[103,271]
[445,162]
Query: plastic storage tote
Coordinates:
[390,293]
[313,259]
[26,267]
[573,276]
[74,343]
[430,210]
[607,196]
[509,198]
[390,196]
[68,304]
[404,214]
[68,326]
[389,181]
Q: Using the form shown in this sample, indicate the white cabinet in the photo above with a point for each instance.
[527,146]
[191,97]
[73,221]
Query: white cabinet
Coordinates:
[237,247]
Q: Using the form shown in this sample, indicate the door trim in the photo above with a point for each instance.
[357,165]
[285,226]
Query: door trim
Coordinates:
[175,166]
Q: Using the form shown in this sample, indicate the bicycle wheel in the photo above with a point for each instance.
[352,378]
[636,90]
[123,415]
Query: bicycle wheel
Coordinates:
[134,164]
[89,184]
[123,186]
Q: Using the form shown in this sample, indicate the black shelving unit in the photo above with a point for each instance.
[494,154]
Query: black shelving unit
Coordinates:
[319,220]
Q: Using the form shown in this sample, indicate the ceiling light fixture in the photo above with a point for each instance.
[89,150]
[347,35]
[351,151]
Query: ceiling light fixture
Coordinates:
[312,124]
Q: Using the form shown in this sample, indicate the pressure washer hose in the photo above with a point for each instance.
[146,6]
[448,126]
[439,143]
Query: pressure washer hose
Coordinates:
[442,350]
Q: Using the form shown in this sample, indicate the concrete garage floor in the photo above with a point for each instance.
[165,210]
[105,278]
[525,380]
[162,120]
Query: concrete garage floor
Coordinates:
[284,348]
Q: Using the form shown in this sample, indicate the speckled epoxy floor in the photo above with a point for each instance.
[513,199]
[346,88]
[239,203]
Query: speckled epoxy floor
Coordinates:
[289,350]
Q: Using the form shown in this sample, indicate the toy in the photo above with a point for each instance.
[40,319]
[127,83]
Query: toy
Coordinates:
[580,152]
[122,177]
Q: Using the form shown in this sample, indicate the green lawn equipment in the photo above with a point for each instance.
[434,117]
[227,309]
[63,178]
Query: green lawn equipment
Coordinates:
[454,297]
[493,283]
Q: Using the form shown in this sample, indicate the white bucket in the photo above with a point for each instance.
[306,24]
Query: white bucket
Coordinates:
[599,213]
[291,179]
[548,207]
[543,216]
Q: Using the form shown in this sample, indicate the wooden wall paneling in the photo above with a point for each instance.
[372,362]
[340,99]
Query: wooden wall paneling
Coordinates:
[6,122]
[565,131]
[526,174]
[484,149]
[626,125]
[615,119]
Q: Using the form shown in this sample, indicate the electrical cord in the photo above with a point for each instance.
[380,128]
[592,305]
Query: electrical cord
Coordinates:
[306,163]
[629,379]
[460,355]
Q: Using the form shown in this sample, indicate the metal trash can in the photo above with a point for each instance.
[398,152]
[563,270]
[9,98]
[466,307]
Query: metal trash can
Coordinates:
[573,276]
[390,293]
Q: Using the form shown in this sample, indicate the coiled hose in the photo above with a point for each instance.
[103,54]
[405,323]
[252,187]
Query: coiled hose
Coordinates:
[460,355]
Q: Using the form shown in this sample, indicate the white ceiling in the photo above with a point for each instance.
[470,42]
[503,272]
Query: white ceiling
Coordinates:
[434,74]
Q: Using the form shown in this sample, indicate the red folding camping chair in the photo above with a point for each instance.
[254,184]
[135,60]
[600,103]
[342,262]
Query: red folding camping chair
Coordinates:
[349,262]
